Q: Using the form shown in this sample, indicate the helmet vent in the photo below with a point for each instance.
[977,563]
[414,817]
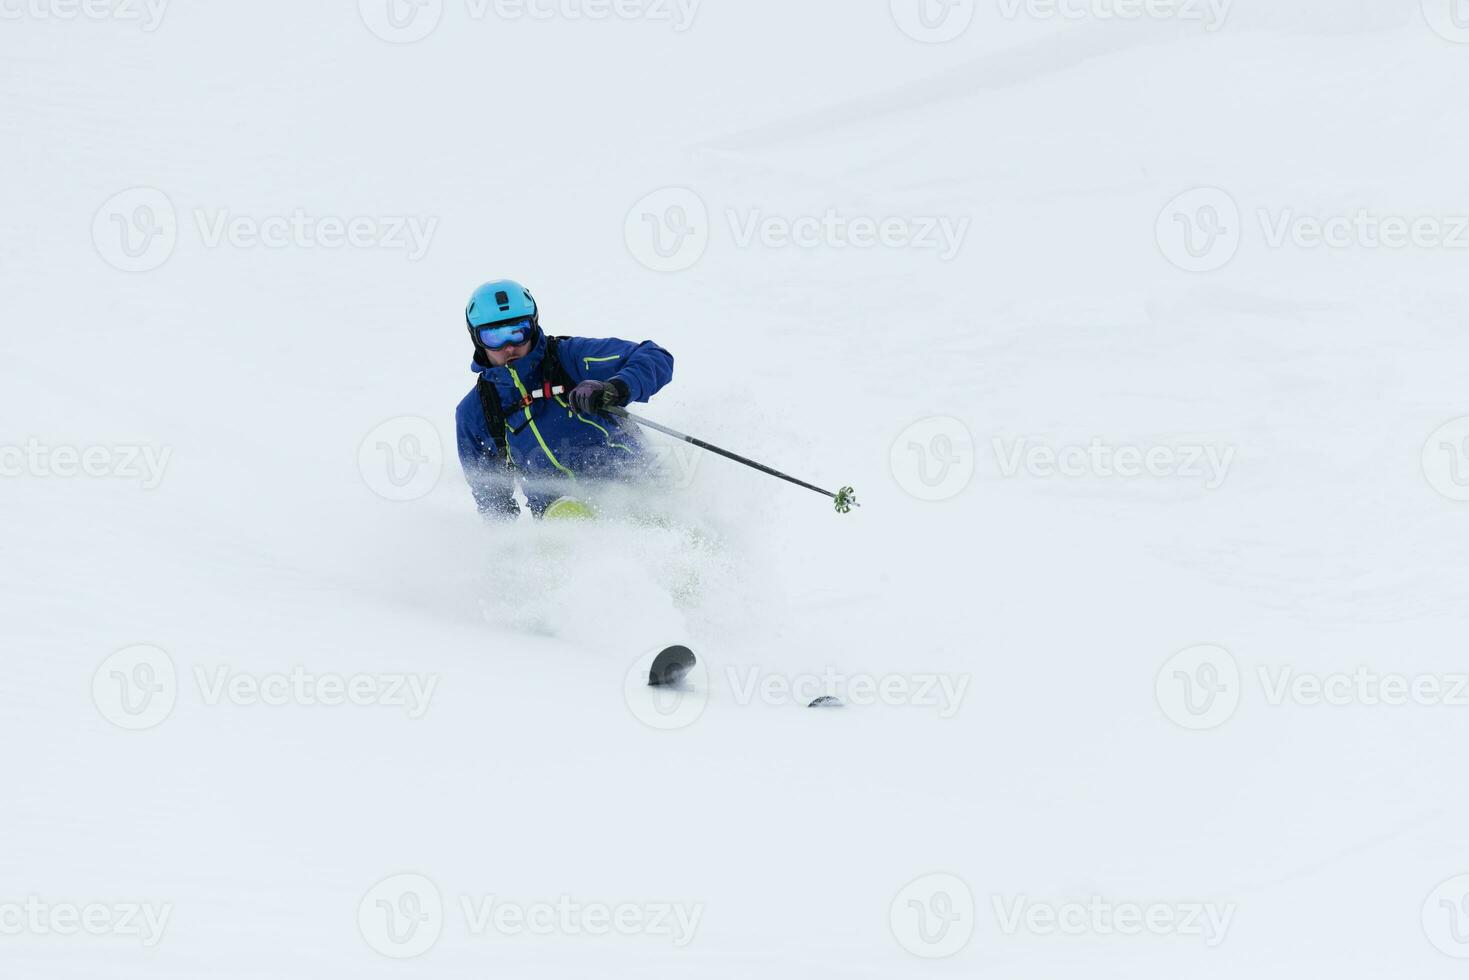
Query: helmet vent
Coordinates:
[503,298]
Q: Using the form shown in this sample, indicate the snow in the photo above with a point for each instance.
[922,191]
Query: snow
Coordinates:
[244,389]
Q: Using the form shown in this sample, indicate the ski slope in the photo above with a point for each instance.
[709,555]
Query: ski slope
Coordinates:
[1060,270]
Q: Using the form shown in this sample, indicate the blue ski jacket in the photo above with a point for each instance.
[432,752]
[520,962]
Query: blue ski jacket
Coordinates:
[548,443]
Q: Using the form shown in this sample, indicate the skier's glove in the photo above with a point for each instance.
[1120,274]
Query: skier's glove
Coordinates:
[591,397]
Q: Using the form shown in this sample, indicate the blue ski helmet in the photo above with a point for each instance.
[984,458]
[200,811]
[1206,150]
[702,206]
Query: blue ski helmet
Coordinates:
[500,301]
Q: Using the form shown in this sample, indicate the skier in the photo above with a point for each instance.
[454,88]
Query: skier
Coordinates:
[536,411]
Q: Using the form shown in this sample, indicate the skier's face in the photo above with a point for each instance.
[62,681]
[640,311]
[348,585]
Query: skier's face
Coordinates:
[505,355]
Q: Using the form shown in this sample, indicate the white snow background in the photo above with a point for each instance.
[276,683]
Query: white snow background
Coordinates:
[1132,188]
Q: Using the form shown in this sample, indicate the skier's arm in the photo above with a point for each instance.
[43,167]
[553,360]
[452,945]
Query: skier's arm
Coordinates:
[484,470]
[640,370]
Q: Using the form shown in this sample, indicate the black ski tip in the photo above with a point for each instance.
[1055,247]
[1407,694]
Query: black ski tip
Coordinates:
[670,666]
[827,702]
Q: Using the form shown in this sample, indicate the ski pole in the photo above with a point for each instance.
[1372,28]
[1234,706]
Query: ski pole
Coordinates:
[845,498]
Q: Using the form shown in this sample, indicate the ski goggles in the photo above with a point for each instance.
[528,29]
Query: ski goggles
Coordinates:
[496,336]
